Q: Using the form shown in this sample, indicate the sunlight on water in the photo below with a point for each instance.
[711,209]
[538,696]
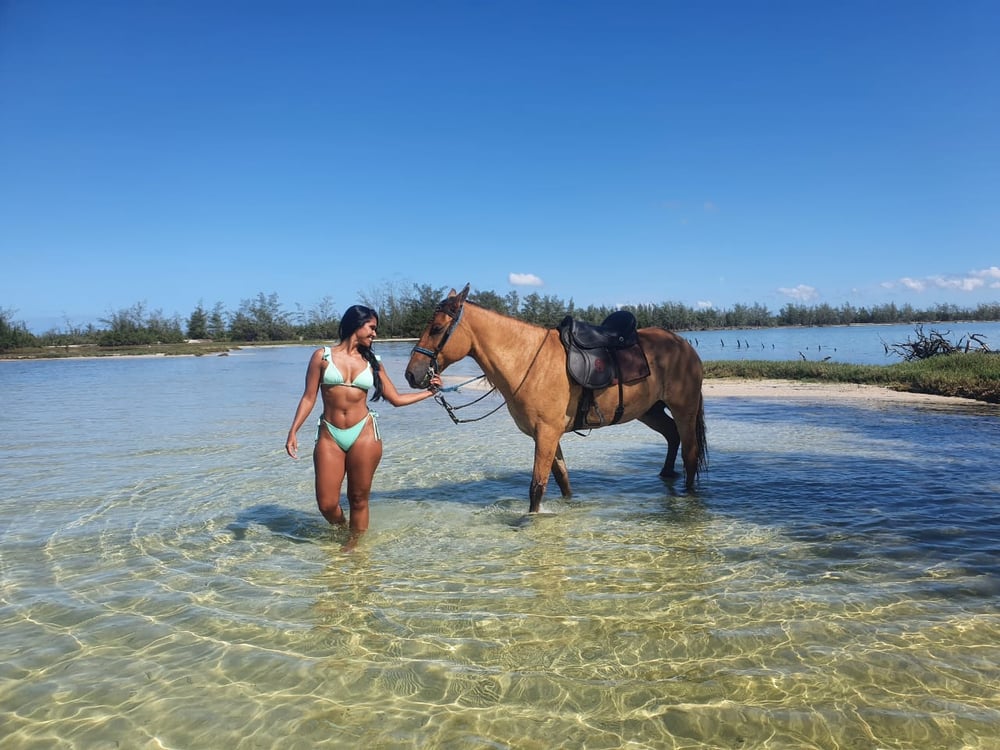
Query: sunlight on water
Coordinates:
[167,582]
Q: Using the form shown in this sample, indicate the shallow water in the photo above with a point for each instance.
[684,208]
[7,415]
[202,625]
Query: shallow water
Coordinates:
[167,581]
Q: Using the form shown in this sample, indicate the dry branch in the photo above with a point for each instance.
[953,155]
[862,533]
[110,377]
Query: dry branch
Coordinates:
[935,344]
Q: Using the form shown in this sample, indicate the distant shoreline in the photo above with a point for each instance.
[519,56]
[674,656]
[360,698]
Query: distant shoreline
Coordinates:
[186,349]
[773,389]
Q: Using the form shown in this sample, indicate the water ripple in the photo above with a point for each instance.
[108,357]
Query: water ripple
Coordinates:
[834,583]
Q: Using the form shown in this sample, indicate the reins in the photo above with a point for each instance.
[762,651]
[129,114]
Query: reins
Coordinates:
[452,409]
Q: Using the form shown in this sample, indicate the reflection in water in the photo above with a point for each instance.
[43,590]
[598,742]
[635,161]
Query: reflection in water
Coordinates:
[834,583]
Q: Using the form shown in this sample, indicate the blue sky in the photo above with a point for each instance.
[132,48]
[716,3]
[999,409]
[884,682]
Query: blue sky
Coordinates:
[180,152]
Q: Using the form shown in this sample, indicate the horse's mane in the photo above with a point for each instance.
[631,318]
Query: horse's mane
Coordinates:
[505,316]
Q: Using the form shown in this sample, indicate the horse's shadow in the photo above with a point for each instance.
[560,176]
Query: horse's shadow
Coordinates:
[305,527]
[295,525]
[501,495]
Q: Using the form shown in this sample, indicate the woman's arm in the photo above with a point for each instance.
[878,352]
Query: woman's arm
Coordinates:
[306,403]
[394,397]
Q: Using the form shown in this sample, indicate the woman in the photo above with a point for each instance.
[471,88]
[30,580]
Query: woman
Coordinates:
[348,441]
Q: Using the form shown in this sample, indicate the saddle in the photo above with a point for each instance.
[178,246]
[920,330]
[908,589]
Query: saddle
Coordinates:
[598,357]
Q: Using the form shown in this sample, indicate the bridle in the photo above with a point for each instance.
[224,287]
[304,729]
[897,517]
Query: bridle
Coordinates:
[456,318]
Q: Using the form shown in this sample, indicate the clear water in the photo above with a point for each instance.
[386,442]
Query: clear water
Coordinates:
[166,582]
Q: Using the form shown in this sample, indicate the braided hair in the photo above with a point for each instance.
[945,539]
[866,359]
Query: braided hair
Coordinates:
[354,317]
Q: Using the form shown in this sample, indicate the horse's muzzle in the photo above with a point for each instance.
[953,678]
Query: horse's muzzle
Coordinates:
[422,382]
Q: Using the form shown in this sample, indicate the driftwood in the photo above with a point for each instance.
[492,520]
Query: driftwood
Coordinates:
[935,344]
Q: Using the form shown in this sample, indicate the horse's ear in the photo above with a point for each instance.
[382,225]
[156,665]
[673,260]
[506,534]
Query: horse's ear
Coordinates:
[454,300]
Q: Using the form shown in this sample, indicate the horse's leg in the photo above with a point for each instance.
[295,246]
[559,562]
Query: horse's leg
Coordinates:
[560,472]
[546,448]
[658,420]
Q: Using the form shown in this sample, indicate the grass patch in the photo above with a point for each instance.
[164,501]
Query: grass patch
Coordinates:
[970,375]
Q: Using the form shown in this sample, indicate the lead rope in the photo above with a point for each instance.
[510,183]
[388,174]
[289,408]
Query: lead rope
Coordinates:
[452,409]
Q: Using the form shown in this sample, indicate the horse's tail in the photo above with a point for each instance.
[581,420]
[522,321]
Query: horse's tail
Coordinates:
[701,434]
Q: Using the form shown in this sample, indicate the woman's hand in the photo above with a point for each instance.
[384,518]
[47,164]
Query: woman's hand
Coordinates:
[292,445]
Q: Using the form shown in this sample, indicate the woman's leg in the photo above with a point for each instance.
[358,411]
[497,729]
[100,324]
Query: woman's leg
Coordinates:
[329,462]
[362,460]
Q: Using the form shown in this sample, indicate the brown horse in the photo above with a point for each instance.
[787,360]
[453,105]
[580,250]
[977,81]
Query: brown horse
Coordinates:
[527,365]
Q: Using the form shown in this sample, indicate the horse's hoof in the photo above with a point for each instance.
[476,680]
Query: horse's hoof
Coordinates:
[669,474]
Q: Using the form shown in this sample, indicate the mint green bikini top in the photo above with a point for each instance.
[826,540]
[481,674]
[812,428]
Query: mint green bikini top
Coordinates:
[332,376]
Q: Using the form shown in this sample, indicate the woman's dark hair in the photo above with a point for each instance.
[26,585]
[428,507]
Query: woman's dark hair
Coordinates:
[354,317]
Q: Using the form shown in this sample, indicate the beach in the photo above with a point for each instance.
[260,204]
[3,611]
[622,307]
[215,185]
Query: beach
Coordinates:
[794,390]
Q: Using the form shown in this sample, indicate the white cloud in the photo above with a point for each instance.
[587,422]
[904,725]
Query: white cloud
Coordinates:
[990,275]
[802,292]
[969,282]
[704,304]
[961,283]
[524,279]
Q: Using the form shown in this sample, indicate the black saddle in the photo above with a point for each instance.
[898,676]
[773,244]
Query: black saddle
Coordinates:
[590,349]
[594,359]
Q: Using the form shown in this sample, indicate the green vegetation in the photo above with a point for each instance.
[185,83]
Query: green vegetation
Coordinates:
[975,374]
[404,310]
[13,334]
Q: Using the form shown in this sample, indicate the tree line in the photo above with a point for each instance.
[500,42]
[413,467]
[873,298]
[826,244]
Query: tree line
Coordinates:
[404,310]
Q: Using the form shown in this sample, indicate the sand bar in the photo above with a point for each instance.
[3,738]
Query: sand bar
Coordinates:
[795,390]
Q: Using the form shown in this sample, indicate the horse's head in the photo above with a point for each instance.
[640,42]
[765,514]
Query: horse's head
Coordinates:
[429,355]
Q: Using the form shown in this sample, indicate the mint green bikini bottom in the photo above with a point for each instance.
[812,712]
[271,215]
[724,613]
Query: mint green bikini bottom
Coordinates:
[346,437]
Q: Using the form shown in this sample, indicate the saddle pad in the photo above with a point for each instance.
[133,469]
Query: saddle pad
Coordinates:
[632,364]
